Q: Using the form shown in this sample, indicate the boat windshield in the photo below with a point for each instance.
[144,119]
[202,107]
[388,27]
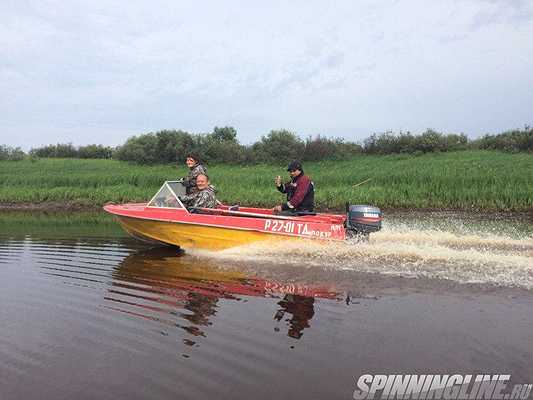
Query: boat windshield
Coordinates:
[167,196]
[177,187]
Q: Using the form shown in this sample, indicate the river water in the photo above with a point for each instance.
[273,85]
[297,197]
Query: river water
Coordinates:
[86,312]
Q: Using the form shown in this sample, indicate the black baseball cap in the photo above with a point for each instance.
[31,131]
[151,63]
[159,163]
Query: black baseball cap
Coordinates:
[294,165]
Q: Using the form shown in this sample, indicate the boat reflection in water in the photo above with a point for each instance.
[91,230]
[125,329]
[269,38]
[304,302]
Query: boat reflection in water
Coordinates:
[162,283]
[302,309]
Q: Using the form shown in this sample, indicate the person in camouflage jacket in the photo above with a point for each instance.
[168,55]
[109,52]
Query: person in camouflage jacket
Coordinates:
[204,197]
[195,168]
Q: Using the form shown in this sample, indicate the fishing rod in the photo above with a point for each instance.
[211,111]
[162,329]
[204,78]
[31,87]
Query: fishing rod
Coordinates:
[360,183]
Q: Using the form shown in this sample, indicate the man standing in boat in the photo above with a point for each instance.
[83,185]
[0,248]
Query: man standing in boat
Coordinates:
[204,197]
[195,169]
[300,191]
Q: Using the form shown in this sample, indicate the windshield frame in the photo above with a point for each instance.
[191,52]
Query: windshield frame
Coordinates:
[166,184]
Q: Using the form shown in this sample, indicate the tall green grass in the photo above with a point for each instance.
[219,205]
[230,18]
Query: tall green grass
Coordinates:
[480,180]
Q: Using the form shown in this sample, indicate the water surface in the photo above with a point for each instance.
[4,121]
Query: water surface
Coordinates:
[87,312]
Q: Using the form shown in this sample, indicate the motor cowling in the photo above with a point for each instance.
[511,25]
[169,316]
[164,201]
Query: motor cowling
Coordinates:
[362,219]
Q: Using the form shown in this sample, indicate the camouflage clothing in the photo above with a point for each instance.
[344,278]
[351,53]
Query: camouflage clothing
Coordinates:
[201,199]
[190,180]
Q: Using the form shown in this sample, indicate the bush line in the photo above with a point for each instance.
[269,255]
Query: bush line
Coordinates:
[222,146]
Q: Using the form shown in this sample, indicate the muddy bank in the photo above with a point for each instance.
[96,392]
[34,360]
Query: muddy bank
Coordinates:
[73,206]
[55,206]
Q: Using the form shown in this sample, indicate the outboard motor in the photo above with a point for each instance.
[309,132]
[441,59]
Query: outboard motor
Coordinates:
[362,220]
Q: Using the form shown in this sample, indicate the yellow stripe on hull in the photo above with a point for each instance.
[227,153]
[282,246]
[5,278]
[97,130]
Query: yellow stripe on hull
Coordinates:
[194,236]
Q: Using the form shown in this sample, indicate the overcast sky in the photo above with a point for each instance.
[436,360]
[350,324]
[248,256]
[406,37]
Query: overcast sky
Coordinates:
[101,71]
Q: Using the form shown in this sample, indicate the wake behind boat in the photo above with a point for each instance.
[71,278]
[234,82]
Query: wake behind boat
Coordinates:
[164,219]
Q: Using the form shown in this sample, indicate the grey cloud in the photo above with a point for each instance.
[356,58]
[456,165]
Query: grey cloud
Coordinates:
[95,71]
[513,13]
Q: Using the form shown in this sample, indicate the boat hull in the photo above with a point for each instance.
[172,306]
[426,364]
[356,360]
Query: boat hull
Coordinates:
[193,236]
[214,229]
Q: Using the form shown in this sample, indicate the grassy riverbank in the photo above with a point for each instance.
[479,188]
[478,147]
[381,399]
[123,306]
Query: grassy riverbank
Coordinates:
[479,180]
[48,225]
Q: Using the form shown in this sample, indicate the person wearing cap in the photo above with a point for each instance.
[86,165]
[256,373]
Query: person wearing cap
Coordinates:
[300,191]
[195,168]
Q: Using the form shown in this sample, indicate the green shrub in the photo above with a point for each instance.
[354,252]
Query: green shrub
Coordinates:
[67,150]
[11,153]
[428,142]
[513,141]
[323,148]
[278,146]
[221,146]
[141,149]
[60,150]
[95,151]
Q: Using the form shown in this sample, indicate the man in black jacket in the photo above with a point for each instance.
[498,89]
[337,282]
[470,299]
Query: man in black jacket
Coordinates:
[300,190]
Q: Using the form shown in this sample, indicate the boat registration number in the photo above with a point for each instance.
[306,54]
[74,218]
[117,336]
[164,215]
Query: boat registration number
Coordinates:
[298,228]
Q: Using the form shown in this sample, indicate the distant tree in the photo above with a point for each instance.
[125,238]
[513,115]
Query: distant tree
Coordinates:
[184,145]
[323,148]
[456,142]
[222,146]
[429,141]
[11,153]
[278,146]
[60,150]
[95,151]
[513,141]
[167,146]
[225,134]
[172,145]
[384,143]
[140,149]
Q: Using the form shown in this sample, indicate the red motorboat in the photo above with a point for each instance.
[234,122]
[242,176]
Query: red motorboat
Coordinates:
[164,219]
